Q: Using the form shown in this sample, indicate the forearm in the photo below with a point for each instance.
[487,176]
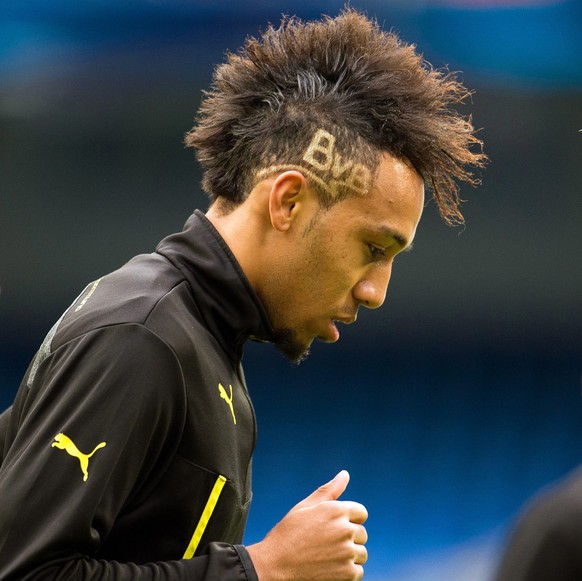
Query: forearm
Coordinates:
[221,561]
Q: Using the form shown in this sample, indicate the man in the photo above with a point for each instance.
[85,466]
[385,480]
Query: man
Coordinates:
[128,448]
[545,542]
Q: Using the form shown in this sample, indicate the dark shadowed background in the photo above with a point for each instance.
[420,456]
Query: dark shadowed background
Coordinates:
[452,404]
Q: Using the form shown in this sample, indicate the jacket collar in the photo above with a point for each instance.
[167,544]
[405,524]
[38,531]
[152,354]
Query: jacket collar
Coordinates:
[228,304]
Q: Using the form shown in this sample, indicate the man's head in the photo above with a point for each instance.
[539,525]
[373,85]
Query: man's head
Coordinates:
[317,141]
[329,97]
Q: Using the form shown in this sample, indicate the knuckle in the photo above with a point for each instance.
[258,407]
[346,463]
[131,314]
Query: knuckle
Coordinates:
[355,572]
[335,508]
[362,512]
[361,535]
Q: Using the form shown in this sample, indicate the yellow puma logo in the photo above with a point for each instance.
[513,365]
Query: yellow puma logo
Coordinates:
[227,399]
[65,443]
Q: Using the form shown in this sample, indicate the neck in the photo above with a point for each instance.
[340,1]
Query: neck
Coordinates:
[245,231]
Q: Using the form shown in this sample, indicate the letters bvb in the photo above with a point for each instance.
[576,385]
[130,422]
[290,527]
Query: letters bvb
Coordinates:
[322,163]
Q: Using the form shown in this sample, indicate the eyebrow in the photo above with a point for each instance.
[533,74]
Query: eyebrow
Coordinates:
[400,240]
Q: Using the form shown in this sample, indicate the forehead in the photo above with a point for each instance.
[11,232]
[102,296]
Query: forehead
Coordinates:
[393,205]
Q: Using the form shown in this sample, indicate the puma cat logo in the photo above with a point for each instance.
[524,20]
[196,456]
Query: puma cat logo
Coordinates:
[227,399]
[65,443]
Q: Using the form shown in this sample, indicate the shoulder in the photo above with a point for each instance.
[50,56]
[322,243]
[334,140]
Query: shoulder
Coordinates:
[126,296]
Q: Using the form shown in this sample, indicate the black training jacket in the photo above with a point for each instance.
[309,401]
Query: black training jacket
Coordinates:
[127,451]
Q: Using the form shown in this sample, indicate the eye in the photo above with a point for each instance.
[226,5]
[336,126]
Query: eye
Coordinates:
[376,251]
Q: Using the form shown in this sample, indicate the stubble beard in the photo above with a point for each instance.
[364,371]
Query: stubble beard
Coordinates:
[286,342]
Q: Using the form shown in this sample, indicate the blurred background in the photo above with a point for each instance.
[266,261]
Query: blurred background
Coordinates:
[451,405]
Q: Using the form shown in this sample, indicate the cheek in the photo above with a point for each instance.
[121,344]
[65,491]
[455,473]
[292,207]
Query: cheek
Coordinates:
[333,279]
[329,270]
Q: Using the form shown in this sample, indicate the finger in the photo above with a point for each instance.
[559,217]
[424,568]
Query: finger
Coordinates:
[360,535]
[356,572]
[361,555]
[329,491]
[356,512]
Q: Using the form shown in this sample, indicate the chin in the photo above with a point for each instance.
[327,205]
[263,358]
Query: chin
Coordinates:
[289,344]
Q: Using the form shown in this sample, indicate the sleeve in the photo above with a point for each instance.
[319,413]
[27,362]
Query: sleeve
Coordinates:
[103,415]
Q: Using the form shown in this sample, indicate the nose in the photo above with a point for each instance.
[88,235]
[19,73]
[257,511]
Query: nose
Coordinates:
[370,291]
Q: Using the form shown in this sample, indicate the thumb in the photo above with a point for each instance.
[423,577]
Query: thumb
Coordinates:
[330,491]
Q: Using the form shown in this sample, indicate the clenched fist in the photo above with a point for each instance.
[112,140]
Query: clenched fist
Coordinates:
[321,538]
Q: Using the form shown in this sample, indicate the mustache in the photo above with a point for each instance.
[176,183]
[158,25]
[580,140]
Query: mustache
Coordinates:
[347,316]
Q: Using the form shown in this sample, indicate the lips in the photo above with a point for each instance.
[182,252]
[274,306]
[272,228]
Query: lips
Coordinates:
[347,320]
[332,333]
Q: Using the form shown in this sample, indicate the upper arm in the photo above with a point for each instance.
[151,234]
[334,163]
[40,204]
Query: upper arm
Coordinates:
[103,415]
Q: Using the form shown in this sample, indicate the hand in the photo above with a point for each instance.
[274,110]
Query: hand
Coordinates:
[321,538]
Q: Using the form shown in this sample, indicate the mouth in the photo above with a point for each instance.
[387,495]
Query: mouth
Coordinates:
[346,320]
[332,333]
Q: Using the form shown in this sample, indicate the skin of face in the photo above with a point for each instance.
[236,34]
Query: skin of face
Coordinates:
[326,263]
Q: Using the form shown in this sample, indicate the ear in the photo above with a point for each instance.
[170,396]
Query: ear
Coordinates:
[286,198]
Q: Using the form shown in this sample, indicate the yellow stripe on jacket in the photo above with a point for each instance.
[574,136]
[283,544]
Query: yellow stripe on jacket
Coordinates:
[206,514]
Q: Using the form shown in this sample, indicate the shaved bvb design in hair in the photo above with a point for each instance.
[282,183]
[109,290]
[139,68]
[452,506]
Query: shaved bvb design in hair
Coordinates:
[337,87]
[332,175]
